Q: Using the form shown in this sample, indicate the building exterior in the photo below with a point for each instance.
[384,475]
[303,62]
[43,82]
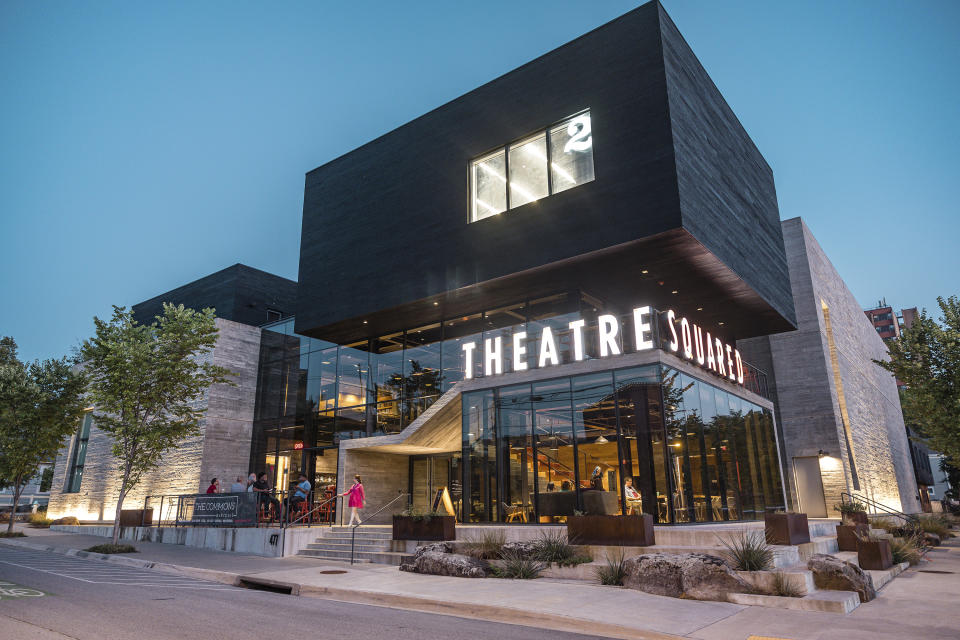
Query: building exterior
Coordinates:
[839,413]
[86,482]
[537,307]
[35,493]
[884,321]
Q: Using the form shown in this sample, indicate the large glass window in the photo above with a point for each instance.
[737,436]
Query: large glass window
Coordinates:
[516,454]
[77,460]
[479,457]
[571,146]
[528,170]
[489,183]
[547,162]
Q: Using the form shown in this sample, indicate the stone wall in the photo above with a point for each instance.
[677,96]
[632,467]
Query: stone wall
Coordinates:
[384,476]
[222,449]
[818,389]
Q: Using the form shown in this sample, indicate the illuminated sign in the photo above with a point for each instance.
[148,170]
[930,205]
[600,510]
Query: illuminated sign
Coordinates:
[687,339]
[297,445]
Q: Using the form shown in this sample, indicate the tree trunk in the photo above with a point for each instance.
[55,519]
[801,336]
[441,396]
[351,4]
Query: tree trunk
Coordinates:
[17,490]
[123,494]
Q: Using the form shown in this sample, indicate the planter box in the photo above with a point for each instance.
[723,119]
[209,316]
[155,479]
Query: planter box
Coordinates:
[847,535]
[874,554]
[786,528]
[136,517]
[856,518]
[621,531]
[434,528]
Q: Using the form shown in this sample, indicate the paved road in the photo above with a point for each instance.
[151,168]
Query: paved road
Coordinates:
[85,598]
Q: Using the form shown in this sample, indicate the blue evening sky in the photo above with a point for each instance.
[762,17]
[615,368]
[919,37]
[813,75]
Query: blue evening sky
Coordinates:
[146,144]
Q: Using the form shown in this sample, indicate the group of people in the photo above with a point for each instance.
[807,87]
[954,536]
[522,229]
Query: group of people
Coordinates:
[259,484]
[634,501]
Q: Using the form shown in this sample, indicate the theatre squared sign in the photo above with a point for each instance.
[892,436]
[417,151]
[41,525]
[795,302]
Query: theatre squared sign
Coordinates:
[676,334]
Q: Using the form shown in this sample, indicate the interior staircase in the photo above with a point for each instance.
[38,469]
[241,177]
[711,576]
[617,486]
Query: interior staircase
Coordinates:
[373,544]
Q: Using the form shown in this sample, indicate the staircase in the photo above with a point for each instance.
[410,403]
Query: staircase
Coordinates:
[372,544]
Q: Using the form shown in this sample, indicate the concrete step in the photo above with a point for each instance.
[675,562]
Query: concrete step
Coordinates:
[827,601]
[378,535]
[882,578]
[819,544]
[323,558]
[376,557]
[346,547]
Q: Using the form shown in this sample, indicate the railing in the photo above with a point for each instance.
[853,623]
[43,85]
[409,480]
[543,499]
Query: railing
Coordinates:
[353,528]
[910,520]
[309,515]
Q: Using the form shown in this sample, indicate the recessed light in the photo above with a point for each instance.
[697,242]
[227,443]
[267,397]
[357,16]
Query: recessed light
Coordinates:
[674,291]
[364,322]
[436,304]
[720,323]
[699,308]
[644,271]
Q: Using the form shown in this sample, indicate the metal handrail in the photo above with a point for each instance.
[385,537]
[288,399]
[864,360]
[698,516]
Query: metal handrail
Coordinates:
[353,527]
[876,505]
[912,521]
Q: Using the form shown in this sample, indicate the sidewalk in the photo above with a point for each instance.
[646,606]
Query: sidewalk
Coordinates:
[916,605]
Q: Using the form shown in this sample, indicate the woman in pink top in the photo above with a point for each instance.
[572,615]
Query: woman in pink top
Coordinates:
[356,499]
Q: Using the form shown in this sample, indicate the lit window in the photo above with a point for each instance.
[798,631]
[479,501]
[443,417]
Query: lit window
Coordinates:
[489,182]
[542,164]
[572,157]
[528,170]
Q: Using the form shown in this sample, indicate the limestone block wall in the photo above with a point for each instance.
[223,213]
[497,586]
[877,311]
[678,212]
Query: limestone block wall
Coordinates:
[222,448]
[384,475]
[825,378]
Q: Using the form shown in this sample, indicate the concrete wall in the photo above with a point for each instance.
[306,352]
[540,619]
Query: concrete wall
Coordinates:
[250,540]
[384,475]
[810,393]
[222,449]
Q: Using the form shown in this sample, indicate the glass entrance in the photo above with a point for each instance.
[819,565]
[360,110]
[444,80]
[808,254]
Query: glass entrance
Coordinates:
[429,475]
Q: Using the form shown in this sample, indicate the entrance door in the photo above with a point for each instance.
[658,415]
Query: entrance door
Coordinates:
[810,486]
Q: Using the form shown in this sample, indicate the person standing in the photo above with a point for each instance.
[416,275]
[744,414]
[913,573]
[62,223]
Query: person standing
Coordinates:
[355,501]
[214,486]
[238,486]
[251,480]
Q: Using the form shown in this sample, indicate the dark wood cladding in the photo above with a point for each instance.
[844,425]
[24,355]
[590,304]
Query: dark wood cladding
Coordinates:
[385,232]
[728,199]
[239,293]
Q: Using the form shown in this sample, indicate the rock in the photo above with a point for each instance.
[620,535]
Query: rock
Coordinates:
[446,564]
[689,575]
[435,547]
[524,549]
[831,573]
[931,539]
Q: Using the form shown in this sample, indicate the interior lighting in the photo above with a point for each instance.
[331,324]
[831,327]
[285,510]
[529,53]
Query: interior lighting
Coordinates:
[699,308]
[674,292]
[644,271]
[601,440]
[522,191]
[720,323]
[436,304]
[534,151]
[483,204]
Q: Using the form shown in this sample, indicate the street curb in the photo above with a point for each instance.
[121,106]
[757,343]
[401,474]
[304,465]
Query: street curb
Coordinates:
[490,613]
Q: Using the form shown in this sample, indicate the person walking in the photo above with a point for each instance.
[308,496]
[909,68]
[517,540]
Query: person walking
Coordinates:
[356,499]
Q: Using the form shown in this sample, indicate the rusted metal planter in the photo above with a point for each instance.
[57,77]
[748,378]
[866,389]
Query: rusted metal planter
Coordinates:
[786,528]
[856,518]
[433,528]
[136,517]
[874,554]
[849,534]
[621,531]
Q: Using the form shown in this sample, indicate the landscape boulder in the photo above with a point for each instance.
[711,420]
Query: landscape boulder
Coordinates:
[437,559]
[833,574]
[525,548]
[698,576]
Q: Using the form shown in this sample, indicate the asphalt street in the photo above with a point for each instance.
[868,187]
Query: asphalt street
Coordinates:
[50,596]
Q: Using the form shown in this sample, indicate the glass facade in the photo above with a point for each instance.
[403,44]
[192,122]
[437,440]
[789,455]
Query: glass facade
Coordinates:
[547,162]
[646,439]
[79,455]
[622,441]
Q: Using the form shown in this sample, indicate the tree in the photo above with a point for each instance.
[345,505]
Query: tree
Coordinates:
[926,359]
[40,405]
[144,380]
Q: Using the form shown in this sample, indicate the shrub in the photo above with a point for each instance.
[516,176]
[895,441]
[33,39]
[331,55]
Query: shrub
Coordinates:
[12,534]
[66,520]
[613,571]
[553,547]
[488,547]
[574,561]
[518,566]
[783,587]
[421,514]
[887,524]
[39,520]
[749,551]
[935,525]
[112,548]
[850,507]
[905,550]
